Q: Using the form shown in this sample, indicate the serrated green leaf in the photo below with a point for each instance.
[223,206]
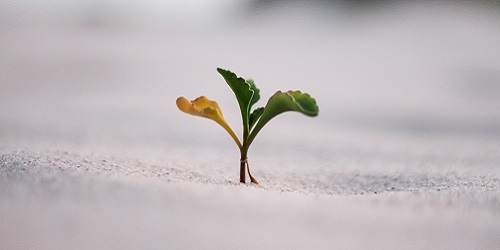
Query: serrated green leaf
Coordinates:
[243,92]
[254,117]
[256,93]
[285,101]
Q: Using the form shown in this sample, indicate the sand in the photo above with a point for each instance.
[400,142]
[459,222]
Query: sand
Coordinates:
[60,200]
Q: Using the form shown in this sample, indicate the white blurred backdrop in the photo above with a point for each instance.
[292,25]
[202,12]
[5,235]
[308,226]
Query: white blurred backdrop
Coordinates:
[108,72]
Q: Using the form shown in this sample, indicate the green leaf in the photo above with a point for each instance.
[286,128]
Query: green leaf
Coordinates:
[254,117]
[256,93]
[285,101]
[244,94]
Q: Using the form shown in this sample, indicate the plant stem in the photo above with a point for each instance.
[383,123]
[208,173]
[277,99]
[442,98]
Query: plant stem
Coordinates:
[243,151]
[243,161]
[243,165]
[253,180]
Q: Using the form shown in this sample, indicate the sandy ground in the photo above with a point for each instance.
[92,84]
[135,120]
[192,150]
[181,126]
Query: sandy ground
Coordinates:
[405,153]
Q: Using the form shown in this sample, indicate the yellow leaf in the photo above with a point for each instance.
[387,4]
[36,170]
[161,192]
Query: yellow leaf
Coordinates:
[204,107]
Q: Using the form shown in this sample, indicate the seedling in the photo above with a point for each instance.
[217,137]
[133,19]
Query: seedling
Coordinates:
[247,95]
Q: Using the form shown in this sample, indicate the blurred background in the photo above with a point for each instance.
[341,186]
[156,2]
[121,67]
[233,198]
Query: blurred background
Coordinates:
[105,75]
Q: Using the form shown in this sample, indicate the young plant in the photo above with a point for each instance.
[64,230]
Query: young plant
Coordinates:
[247,95]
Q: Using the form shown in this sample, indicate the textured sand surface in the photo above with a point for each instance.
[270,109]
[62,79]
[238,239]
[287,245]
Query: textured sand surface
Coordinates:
[405,153]
[61,200]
